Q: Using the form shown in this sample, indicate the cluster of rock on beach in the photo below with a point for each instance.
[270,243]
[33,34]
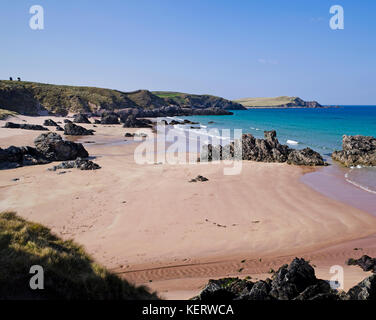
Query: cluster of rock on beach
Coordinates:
[49,147]
[296,281]
[264,150]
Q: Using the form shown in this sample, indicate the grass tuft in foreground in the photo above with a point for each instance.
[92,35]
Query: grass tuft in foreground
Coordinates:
[69,273]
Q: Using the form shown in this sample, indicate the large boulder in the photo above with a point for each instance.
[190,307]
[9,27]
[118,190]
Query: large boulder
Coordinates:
[110,118]
[50,123]
[54,148]
[290,280]
[75,130]
[80,118]
[357,150]
[132,122]
[305,157]
[364,290]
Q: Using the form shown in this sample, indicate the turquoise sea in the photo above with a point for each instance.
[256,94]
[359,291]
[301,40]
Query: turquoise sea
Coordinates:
[319,129]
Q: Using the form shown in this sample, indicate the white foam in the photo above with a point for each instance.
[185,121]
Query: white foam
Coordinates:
[292,142]
[355,183]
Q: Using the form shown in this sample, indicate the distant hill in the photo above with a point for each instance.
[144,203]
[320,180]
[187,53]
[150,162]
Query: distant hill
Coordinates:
[32,98]
[197,100]
[277,102]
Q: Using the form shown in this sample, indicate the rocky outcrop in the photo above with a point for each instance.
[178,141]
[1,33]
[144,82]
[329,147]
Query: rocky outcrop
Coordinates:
[365,290]
[25,126]
[132,122]
[296,281]
[357,150]
[54,148]
[306,157]
[263,150]
[197,101]
[110,118]
[80,118]
[79,163]
[365,262]
[72,129]
[50,123]
[48,147]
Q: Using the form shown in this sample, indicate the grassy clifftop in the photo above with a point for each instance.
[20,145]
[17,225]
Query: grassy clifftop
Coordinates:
[69,273]
[197,100]
[32,98]
[277,102]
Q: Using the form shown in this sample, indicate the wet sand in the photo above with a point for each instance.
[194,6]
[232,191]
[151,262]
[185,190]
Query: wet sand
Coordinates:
[150,225]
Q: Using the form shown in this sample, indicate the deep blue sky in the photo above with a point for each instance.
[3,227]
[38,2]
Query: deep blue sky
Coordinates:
[228,48]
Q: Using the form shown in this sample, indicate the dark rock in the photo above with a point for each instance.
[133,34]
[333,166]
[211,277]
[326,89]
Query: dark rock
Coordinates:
[78,163]
[132,122]
[364,290]
[58,128]
[54,148]
[357,150]
[317,292]
[199,178]
[291,280]
[75,130]
[365,262]
[96,121]
[25,126]
[259,291]
[110,118]
[129,135]
[305,157]
[227,289]
[67,121]
[264,150]
[50,123]
[80,118]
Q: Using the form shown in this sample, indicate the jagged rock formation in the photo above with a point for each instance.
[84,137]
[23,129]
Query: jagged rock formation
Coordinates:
[296,281]
[132,122]
[48,147]
[80,118]
[109,118]
[365,262]
[357,150]
[54,148]
[79,163]
[74,130]
[262,150]
[25,126]
[50,123]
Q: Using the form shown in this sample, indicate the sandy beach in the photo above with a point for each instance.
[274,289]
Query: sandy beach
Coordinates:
[149,224]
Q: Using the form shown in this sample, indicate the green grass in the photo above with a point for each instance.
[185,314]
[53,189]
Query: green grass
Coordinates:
[69,273]
[26,97]
[266,102]
[6,113]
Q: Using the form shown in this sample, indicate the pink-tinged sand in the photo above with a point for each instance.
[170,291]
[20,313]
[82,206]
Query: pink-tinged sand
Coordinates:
[149,224]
